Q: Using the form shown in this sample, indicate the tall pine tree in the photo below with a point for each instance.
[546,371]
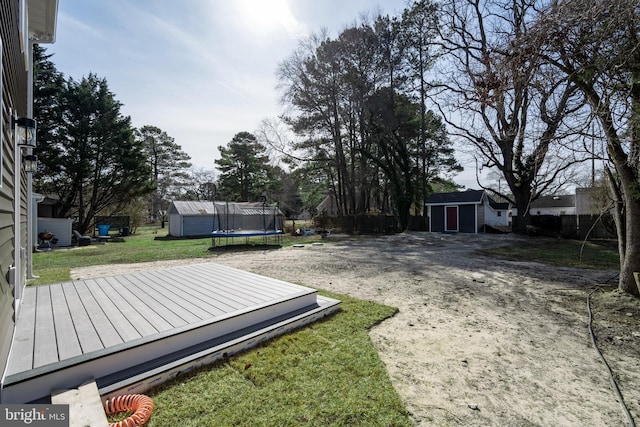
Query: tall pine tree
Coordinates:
[244,169]
[169,167]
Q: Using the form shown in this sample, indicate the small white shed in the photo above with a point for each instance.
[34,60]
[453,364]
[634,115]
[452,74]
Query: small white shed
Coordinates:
[191,218]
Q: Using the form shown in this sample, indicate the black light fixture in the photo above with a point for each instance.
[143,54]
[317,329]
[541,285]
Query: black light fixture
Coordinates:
[25,132]
[30,163]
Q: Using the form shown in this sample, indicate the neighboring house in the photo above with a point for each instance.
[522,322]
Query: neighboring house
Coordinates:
[23,23]
[497,214]
[328,206]
[552,205]
[465,212]
[48,206]
[592,201]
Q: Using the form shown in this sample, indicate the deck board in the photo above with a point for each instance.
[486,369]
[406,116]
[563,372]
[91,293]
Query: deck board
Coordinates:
[46,347]
[244,285]
[146,321]
[108,334]
[67,340]
[239,293]
[25,334]
[165,296]
[154,301]
[197,291]
[118,319]
[203,298]
[86,333]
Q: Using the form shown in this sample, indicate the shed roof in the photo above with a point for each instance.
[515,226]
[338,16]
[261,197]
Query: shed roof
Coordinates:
[192,208]
[456,197]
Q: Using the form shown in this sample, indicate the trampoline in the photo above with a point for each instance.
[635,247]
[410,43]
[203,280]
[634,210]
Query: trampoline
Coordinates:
[218,235]
[245,220]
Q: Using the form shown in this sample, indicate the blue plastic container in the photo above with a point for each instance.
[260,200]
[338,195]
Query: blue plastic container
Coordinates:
[103,229]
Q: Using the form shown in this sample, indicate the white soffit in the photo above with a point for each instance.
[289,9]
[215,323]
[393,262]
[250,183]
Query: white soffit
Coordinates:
[42,20]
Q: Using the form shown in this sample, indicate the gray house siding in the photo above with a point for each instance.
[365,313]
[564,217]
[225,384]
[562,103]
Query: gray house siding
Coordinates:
[14,89]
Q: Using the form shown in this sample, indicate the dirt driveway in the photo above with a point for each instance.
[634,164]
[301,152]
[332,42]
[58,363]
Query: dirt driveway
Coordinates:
[477,341]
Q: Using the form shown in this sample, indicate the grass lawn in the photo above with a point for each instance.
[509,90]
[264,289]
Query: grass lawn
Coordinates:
[562,252]
[55,266]
[326,374]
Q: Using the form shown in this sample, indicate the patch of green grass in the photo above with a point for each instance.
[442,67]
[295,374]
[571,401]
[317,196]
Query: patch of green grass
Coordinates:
[55,266]
[326,374]
[561,252]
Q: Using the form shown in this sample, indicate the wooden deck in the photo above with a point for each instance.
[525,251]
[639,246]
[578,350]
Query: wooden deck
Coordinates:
[132,331]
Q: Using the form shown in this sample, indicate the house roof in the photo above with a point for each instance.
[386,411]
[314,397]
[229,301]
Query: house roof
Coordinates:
[328,205]
[554,202]
[498,206]
[457,197]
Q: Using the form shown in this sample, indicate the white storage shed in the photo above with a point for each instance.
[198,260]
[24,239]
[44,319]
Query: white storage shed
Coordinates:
[191,218]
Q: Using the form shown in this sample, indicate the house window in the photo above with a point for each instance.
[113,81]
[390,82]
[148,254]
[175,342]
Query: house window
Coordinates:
[499,213]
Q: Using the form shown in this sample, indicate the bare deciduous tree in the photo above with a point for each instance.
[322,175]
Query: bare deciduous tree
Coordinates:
[504,100]
[597,47]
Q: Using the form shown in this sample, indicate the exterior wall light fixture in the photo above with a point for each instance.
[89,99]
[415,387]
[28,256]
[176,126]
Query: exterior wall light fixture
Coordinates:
[30,163]
[25,132]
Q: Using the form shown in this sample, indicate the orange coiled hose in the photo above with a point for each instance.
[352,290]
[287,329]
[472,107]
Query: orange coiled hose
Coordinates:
[139,403]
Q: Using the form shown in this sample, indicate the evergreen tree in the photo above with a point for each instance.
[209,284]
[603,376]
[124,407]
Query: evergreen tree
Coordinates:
[245,173]
[169,167]
[94,163]
[48,87]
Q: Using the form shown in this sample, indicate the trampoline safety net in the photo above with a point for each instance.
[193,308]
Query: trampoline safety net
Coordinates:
[239,216]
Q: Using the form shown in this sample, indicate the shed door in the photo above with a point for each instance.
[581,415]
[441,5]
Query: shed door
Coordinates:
[451,215]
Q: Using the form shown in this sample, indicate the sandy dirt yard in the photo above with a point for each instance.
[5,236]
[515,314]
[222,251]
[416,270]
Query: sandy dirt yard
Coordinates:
[477,341]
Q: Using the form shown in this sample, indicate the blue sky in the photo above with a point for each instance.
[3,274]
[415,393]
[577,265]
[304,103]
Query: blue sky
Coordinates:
[201,70]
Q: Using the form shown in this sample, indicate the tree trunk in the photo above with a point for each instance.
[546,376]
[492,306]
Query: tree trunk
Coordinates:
[523,203]
[630,263]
